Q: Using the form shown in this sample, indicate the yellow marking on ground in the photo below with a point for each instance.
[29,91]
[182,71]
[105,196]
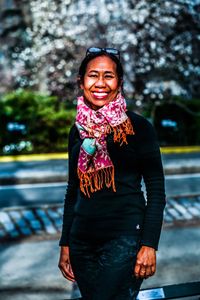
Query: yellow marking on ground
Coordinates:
[34,157]
[49,156]
[182,149]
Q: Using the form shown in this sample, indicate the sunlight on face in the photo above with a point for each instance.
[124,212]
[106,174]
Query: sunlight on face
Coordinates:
[101,83]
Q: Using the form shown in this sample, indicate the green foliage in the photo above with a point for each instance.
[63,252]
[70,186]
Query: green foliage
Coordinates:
[185,113]
[47,122]
[192,107]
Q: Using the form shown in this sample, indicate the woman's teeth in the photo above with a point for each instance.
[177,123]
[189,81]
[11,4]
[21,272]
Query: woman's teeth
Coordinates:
[100,94]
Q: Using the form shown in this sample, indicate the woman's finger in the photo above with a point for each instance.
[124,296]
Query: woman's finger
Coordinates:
[153,269]
[67,276]
[148,271]
[137,270]
[70,269]
[67,271]
[142,273]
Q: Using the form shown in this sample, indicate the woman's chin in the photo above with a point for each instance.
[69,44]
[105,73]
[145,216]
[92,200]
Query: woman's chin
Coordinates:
[96,104]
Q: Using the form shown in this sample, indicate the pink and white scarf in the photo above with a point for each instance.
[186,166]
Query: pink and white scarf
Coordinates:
[95,167]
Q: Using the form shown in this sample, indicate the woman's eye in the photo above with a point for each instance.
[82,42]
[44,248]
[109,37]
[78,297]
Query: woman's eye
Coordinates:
[109,76]
[92,75]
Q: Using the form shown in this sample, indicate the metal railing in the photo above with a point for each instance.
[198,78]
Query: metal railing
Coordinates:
[169,292]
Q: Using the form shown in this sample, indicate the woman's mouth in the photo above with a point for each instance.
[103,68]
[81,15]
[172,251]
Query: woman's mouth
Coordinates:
[100,95]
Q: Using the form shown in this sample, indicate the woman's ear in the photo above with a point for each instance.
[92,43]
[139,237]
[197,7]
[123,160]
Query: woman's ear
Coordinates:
[80,84]
[120,85]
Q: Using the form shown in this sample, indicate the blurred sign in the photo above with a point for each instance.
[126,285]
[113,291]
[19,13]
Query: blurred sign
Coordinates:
[14,126]
[168,123]
[151,294]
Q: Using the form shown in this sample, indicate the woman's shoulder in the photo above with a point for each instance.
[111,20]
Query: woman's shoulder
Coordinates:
[73,130]
[73,134]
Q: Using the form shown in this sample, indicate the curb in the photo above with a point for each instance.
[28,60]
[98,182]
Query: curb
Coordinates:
[13,180]
[181,170]
[63,176]
[28,176]
[45,221]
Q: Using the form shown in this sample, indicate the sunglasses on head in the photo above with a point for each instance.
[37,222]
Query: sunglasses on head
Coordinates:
[95,50]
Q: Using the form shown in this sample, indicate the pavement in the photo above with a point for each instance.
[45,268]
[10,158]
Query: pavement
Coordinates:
[29,268]
[29,235]
[44,221]
[30,170]
[21,222]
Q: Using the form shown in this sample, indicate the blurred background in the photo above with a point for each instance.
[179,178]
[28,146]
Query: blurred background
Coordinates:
[41,46]
[43,43]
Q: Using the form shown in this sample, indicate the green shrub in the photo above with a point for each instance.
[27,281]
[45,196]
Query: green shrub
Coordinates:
[185,113]
[47,122]
[192,108]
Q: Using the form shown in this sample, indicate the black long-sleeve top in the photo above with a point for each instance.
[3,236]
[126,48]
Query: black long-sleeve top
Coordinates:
[108,214]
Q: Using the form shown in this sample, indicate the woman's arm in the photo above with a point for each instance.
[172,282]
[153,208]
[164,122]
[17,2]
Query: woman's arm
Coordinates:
[152,173]
[69,202]
[65,265]
[71,190]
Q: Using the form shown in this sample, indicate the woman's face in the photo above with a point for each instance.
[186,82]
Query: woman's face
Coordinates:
[100,84]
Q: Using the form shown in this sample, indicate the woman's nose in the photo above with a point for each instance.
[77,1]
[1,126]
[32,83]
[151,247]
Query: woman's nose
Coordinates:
[100,82]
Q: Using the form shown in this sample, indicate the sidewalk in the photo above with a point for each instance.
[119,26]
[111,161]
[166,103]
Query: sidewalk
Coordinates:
[182,163]
[44,221]
[29,270]
[40,169]
[29,235]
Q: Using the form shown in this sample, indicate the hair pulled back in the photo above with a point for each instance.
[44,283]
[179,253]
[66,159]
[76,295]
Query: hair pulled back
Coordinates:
[90,56]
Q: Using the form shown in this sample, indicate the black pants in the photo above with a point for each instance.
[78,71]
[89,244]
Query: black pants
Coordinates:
[104,269]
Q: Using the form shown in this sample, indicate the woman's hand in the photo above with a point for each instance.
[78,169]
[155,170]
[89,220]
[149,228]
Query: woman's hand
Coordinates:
[145,263]
[64,264]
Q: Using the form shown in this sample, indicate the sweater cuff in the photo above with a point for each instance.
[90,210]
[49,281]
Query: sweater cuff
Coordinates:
[145,243]
[63,242]
[150,237]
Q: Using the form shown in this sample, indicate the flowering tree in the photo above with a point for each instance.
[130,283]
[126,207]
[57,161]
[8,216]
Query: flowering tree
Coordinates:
[159,42]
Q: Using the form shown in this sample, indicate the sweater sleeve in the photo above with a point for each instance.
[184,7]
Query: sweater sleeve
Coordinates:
[152,172]
[71,191]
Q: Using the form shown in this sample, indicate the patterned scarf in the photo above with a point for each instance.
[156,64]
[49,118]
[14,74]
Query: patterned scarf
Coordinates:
[95,168]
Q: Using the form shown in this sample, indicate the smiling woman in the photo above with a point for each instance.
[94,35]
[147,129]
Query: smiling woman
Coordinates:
[100,84]
[110,236]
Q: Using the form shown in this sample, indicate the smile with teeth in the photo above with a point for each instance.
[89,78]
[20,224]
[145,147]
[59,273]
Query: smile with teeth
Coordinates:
[100,94]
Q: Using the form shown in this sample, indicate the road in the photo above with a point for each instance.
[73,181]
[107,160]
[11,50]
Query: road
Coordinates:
[45,193]
[35,262]
[31,194]
[28,270]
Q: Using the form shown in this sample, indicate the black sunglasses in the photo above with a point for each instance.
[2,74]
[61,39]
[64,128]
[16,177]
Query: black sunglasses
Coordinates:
[95,50]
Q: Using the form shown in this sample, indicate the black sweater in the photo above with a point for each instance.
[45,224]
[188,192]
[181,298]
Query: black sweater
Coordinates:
[108,214]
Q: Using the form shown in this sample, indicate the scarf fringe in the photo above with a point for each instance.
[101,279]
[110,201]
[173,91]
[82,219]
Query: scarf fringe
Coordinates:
[120,131]
[93,181]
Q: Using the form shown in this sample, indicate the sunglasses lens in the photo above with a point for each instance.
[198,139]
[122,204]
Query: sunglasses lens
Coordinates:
[112,51]
[94,50]
[107,50]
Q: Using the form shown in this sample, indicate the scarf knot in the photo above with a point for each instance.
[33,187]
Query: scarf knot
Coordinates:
[95,167]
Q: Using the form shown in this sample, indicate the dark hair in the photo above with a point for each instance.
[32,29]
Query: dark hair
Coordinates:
[90,56]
